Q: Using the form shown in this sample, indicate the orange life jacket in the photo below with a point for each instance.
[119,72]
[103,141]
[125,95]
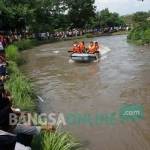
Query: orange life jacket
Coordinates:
[92,49]
[82,47]
[76,49]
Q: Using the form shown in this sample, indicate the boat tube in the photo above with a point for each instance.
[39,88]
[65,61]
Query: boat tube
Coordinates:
[83,57]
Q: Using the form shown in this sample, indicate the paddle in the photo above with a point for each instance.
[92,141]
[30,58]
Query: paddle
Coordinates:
[70,51]
[97,52]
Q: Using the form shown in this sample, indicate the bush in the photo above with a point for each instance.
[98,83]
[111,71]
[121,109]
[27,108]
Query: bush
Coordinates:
[25,44]
[140,35]
[12,53]
[30,43]
[147,36]
[136,33]
[89,35]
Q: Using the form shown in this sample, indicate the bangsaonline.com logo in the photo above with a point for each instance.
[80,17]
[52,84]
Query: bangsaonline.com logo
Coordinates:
[126,113]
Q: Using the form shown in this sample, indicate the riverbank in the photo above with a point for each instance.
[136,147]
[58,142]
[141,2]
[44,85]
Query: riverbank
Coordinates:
[25,99]
[19,86]
[140,34]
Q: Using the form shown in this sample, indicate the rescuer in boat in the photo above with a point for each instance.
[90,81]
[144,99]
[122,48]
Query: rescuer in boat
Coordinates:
[82,47]
[97,46]
[76,48]
[92,48]
[97,50]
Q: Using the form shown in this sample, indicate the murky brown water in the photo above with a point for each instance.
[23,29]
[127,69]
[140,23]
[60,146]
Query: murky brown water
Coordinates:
[122,76]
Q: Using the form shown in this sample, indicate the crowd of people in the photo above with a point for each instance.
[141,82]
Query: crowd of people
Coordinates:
[69,33]
[10,37]
[18,136]
[7,38]
[79,47]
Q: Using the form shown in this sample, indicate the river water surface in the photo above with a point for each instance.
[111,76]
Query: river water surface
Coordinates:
[122,76]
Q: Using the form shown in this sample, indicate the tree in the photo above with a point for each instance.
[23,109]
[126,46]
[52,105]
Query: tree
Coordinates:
[15,14]
[49,15]
[140,17]
[141,28]
[105,18]
[80,11]
[38,15]
[128,19]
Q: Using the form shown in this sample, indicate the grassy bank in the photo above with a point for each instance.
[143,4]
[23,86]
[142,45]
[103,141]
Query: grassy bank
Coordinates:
[18,84]
[24,98]
[30,43]
[140,34]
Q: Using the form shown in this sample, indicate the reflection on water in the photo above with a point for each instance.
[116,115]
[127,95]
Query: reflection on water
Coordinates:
[121,77]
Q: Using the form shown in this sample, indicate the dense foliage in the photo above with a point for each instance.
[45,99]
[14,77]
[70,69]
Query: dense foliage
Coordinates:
[80,12]
[45,15]
[49,15]
[105,18]
[140,33]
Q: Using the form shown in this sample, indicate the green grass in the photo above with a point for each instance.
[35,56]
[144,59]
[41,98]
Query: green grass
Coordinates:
[30,43]
[89,35]
[18,84]
[56,141]
[12,53]
[20,88]
[140,34]
[59,141]
[25,44]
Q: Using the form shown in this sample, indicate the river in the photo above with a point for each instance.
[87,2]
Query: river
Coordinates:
[121,77]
